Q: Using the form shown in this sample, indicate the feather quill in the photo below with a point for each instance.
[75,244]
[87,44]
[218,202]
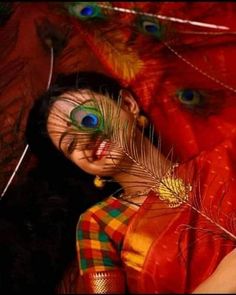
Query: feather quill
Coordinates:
[108,41]
[154,171]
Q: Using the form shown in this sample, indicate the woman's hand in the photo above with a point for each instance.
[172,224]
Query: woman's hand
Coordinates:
[223,279]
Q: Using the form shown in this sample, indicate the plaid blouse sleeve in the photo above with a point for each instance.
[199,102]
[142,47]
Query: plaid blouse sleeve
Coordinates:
[100,234]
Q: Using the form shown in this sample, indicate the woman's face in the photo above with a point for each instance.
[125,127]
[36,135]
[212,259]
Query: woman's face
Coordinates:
[89,128]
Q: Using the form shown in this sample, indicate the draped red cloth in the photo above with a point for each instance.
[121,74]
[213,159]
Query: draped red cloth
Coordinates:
[154,68]
[173,250]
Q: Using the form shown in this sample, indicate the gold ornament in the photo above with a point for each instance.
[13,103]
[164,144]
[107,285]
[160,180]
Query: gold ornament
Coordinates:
[142,121]
[173,191]
[99,182]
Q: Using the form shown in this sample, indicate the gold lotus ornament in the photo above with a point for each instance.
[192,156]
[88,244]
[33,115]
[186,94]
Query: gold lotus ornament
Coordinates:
[173,191]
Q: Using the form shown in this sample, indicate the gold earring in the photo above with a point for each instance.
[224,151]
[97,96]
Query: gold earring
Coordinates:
[99,182]
[142,121]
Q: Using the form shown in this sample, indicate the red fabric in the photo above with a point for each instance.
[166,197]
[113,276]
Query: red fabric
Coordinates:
[162,72]
[185,246]
[139,61]
[155,73]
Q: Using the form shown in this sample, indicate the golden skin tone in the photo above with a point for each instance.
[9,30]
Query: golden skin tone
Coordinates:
[222,281]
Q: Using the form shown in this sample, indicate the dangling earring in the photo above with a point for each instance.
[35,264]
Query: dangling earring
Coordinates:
[99,182]
[142,121]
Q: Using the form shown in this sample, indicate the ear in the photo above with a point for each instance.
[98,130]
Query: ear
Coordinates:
[128,102]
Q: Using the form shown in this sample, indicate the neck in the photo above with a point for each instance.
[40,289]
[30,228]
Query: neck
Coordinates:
[140,176]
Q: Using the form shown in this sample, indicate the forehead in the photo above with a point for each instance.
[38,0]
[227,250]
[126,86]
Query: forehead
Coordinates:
[59,119]
[76,97]
[59,114]
[67,101]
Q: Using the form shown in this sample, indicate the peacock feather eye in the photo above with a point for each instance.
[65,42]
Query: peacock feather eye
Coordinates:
[85,10]
[150,27]
[189,97]
[87,118]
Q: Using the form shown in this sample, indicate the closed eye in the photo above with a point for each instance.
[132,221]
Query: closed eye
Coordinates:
[72,145]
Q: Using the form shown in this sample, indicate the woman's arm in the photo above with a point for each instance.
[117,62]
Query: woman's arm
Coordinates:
[100,234]
[98,258]
[223,279]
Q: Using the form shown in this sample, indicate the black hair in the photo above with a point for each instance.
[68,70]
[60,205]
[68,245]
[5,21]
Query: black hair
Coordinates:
[38,216]
[37,134]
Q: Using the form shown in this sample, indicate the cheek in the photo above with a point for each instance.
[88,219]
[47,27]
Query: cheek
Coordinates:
[78,158]
[124,116]
[126,123]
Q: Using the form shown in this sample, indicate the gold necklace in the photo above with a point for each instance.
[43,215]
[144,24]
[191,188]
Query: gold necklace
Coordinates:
[134,195]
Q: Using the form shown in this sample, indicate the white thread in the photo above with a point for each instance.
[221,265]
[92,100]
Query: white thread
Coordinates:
[198,69]
[169,47]
[170,18]
[27,146]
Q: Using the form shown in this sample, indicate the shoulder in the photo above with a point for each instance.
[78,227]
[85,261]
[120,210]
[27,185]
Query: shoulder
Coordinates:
[111,206]
[110,212]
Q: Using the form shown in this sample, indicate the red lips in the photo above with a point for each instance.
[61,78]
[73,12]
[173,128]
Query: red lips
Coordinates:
[101,149]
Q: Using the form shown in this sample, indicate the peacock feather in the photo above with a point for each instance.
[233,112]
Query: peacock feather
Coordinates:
[168,56]
[108,37]
[132,152]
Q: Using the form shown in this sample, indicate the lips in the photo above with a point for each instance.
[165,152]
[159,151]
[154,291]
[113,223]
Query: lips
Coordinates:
[101,149]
